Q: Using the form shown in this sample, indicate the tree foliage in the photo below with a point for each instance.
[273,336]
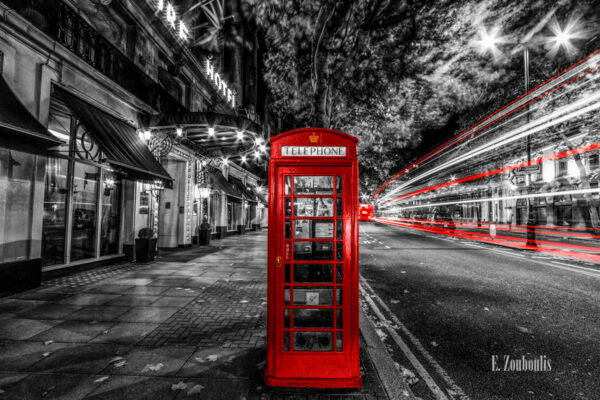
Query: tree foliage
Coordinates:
[393,72]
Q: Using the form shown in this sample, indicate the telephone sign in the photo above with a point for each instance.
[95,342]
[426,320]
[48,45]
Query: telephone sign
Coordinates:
[312,332]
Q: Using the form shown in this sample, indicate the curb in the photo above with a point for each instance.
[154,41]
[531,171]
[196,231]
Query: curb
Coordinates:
[394,384]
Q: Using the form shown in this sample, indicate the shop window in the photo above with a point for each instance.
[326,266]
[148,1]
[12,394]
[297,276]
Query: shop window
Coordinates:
[83,232]
[231,225]
[16,204]
[110,220]
[214,211]
[54,219]
[250,214]
[594,162]
[562,167]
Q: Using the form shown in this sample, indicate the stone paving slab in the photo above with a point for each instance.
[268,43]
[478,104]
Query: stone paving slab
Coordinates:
[73,332]
[21,355]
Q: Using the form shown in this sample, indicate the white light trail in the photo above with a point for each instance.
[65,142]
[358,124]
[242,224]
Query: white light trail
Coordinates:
[521,196]
[500,122]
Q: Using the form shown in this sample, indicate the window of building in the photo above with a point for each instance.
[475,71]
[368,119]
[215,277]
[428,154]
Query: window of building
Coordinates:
[16,202]
[231,225]
[214,211]
[85,203]
[562,167]
[110,223]
[594,162]
[77,180]
[54,217]
[250,211]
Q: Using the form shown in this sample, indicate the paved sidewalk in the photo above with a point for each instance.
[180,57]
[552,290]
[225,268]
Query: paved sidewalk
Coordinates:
[191,325]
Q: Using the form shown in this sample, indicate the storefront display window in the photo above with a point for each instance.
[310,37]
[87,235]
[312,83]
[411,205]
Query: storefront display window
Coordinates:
[110,221]
[54,219]
[16,204]
[230,216]
[250,214]
[83,233]
[214,211]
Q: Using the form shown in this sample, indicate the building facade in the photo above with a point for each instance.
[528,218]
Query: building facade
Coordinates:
[82,168]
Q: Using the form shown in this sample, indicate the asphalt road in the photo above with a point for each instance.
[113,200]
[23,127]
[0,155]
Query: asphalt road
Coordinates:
[450,306]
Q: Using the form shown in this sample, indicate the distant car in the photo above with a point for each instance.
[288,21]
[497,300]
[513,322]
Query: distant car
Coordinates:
[366,212]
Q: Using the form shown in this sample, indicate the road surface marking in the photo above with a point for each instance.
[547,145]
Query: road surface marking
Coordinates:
[505,252]
[435,389]
[582,270]
[438,368]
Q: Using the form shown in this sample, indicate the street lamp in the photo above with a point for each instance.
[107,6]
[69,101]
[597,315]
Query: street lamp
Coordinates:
[156,188]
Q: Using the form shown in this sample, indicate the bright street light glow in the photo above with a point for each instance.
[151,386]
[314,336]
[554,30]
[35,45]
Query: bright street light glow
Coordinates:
[259,141]
[563,37]
[488,41]
[225,161]
[211,131]
[243,159]
[256,154]
[262,148]
[240,135]
[179,131]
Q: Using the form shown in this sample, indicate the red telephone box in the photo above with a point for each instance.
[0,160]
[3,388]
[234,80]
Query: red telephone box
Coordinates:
[313,327]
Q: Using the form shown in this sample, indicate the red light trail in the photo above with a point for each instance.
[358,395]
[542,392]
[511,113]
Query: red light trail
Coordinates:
[504,227]
[509,241]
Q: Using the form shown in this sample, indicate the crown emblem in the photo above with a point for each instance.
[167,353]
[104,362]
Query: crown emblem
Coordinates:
[313,138]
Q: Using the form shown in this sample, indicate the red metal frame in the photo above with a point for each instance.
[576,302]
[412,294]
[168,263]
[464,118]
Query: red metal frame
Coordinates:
[332,368]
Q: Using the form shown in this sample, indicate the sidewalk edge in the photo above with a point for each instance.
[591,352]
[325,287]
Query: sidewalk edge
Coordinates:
[393,382]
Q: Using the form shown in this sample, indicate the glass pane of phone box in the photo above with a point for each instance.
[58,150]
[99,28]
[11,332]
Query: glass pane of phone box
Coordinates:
[313,185]
[313,250]
[313,341]
[312,229]
[312,318]
[309,273]
[313,207]
[313,296]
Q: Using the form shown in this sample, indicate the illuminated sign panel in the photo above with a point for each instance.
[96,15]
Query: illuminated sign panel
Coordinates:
[172,19]
[220,83]
[313,151]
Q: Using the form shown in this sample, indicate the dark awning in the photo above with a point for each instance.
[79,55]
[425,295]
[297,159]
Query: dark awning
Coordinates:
[218,182]
[118,140]
[245,190]
[217,134]
[17,123]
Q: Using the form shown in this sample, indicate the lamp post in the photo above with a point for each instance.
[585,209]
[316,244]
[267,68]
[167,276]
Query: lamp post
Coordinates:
[531,219]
